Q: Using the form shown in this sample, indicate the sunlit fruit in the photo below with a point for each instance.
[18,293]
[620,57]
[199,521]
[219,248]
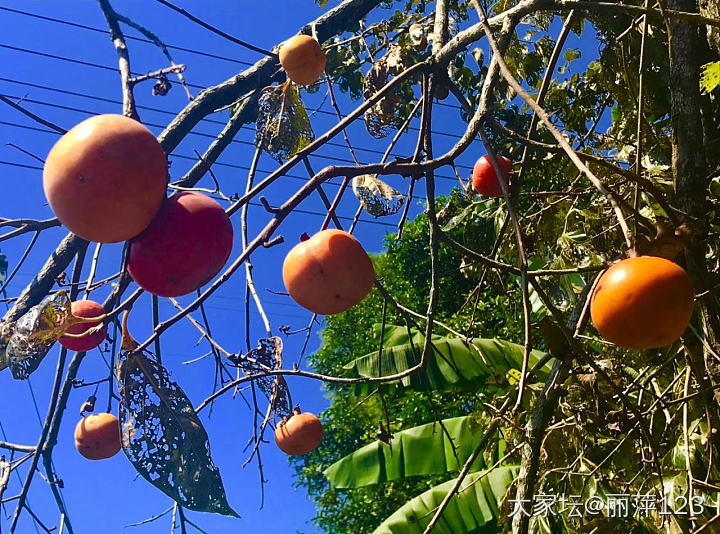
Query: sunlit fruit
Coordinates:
[417,37]
[303,59]
[85,309]
[328,273]
[184,247]
[484,179]
[299,434]
[105,178]
[97,436]
[642,303]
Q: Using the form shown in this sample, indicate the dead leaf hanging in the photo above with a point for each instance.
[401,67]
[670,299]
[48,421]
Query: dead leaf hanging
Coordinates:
[268,356]
[164,438]
[377,197]
[283,126]
[384,116]
[26,342]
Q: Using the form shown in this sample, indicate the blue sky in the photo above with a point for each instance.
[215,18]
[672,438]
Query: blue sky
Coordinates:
[66,73]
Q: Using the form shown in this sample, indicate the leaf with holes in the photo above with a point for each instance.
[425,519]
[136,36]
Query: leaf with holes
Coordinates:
[266,357]
[28,340]
[377,197]
[283,127]
[3,268]
[163,437]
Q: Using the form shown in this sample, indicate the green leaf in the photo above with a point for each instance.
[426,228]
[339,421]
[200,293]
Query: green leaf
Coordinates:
[571,54]
[474,509]
[454,364]
[710,77]
[421,450]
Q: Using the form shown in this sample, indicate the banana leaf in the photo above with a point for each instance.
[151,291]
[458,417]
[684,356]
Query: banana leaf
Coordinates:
[473,510]
[421,450]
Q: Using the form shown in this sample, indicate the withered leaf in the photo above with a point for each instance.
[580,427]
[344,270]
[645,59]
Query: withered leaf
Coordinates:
[164,438]
[377,197]
[283,126]
[26,342]
[384,115]
[268,356]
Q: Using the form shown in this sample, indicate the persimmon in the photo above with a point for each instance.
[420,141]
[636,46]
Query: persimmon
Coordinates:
[84,309]
[642,303]
[97,436]
[328,273]
[303,59]
[484,178]
[417,37]
[300,434]
[106,178]
[184,247]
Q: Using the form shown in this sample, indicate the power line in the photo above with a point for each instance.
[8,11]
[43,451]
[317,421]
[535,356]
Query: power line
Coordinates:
[195,86]
[171,113]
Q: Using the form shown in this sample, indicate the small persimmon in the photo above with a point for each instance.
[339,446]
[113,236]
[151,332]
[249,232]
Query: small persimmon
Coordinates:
[97,436]
[328,273]
[642,303]
[299,434]
[484,178]
[303,59]
[106,178]
[85,309]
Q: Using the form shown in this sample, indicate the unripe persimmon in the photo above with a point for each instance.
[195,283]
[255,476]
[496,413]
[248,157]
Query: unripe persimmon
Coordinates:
[328,273]
[642,303]
[417,37]
[85,309]
[484,179]
[97,436]
[106,178]
[300,434]
[303,59]
[184,247]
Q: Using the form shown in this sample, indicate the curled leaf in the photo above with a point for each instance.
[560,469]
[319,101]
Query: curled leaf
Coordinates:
[384,115]
[268,356]
[163,437]
[377,197]
[283,127]
[26,342]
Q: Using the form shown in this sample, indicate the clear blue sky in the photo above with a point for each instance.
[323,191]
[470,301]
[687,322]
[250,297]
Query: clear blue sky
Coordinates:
[105,496]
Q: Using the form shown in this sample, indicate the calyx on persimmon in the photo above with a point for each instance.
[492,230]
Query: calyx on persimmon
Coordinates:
[303,59]
[97,436]
[184,247]
[85,309]
[328,273]
[300,433]
[642,303]
[106,178]
[484,179]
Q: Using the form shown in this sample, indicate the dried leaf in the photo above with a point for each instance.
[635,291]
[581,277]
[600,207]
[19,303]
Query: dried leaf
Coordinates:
[28,340]
[377,197]
[383,116]
[283,127]
[164,438]
[268,356]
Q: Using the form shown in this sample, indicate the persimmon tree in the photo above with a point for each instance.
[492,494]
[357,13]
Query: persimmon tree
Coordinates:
[482,352]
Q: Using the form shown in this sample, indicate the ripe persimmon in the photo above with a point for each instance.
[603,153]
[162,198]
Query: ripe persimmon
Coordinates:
[97,436]
[84,309]
[303,59]
[642,303]
[299,434]
[328,273]
[183,248]
[106,178]
[484,179]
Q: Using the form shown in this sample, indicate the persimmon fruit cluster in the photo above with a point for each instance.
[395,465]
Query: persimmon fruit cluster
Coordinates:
[303,59]
[97,436]
[642,303]
[328,273]
[300,434]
